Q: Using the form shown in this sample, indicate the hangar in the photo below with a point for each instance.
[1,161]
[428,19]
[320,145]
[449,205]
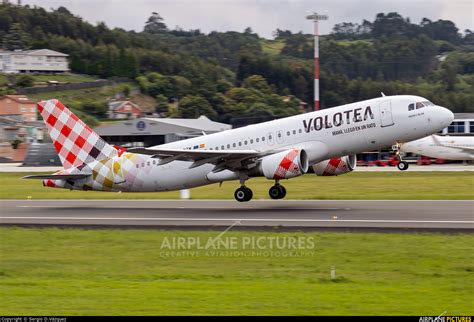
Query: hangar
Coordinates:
[147,132]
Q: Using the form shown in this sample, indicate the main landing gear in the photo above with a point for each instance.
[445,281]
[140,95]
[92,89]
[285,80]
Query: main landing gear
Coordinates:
[277,191]
[243,193]
[402,165]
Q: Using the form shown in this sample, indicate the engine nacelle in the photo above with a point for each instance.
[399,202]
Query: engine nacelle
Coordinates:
[337,166]
[285,165]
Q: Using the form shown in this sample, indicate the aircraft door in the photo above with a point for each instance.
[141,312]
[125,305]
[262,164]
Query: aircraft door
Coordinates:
[385,109]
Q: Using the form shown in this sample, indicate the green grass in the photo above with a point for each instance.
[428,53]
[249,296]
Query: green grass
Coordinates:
[366,42]
[359,185]
[272,47]
[123,272]
[3,79]
[95,94]
[69,78]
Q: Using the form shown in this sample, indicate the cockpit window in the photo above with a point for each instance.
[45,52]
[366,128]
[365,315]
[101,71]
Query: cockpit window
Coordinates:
[419,105]
[411,107]
[427,103]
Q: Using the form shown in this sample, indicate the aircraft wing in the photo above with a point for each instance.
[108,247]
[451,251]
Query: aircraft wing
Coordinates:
[229,159]
[58,176]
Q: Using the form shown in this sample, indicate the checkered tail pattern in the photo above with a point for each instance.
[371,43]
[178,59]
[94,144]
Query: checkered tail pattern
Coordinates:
[75,142]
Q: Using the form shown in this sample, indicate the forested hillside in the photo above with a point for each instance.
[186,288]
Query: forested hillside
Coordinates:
[227,75]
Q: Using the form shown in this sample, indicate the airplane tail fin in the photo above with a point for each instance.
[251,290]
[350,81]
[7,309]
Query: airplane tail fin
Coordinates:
[75,142]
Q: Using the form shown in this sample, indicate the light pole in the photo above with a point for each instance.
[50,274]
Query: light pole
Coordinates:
[316,17]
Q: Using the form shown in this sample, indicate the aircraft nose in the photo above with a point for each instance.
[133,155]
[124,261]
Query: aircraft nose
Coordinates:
[445,116]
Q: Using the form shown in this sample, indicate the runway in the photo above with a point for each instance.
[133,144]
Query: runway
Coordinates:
[258,214]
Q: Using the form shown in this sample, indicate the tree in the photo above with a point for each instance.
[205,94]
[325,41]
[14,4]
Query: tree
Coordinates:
[16,38]
[194,106]
[155,24]
[257,82]
[161,104]
[97,109]
[24,81]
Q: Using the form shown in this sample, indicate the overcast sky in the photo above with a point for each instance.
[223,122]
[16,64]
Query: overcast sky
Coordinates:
[263,16]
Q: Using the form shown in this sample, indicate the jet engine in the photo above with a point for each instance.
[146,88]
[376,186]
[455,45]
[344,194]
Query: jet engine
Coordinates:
[336,166]
[285,165]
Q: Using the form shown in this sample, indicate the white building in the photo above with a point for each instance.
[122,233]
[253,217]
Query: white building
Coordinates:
[463,124]
[40,60]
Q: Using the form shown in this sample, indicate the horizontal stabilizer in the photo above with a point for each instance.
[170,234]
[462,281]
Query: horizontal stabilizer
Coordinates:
[58,176]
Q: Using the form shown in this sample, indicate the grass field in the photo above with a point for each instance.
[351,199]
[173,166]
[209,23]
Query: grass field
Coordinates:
[69,78]
[82,95]
[125,272]
[358,185]
[272,47]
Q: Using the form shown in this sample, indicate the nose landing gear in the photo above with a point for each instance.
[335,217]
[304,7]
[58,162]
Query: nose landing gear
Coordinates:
[402,165]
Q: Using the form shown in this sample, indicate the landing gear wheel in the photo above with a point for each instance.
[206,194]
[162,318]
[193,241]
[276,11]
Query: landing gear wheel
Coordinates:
[277,192]
[402,165]
[243,194]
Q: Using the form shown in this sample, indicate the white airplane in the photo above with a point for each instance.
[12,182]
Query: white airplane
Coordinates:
[442,147]
[325,141]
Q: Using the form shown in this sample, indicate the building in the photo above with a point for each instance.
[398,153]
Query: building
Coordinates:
[18,107]
[29,61]
[154,131]
[463,124]
[124,110]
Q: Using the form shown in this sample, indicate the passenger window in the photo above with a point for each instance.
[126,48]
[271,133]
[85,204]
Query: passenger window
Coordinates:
[294,132]
[138,166]
[228,146]
[411,107]
[263,138]
[245,142]
[154,161]
[240,143]
[419,105]
[300,130]
[217,148]
[251,141]
[257,140]
[222,147]
[288,133]
[234,145]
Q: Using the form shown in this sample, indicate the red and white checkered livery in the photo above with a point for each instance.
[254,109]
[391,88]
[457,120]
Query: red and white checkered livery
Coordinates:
[336,166]
[74,141]
[288,167]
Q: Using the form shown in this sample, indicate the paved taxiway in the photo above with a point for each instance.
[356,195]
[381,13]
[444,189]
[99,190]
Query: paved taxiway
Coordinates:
[257,213]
